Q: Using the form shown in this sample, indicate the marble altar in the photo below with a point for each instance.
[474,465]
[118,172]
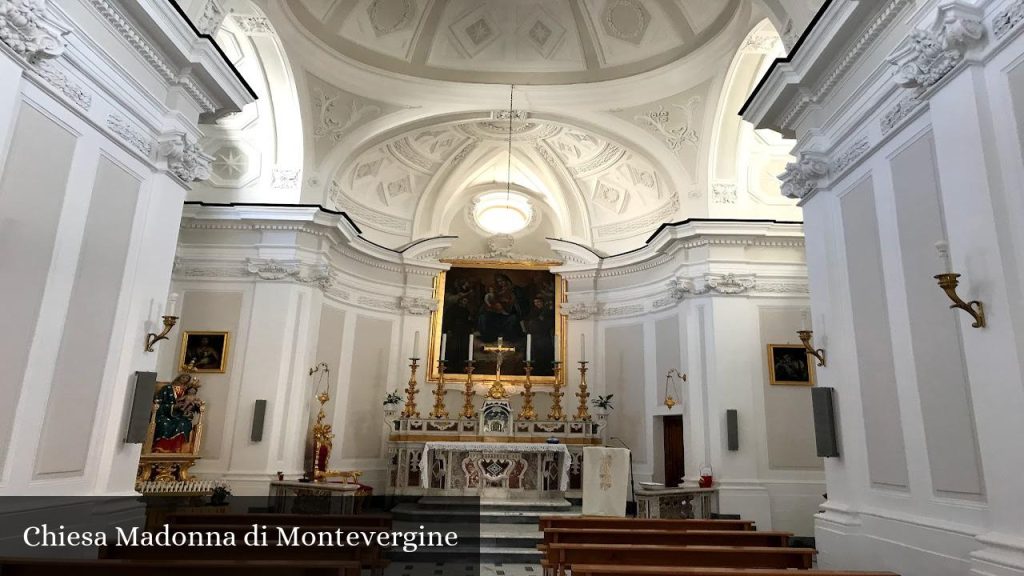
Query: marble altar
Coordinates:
[683,502]
[476,467]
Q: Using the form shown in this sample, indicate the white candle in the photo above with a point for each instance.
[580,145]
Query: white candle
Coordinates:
[444,346]
[471,347]
[172,304]
[943,247]
[416,344]
[558,353]
[803,320]
[583,347]
[529,347]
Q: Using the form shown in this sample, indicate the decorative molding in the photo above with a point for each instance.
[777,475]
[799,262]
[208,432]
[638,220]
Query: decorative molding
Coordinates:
[927,55]
[390,305]
[272,269]
[723,193]
[59,80]
[28,28]
[417,306]
[211,18]
[621,310]
[1008,19]
[286,178]
[850,155]
[185,159]
[382,28]
[329,125]
[579,310]
[642,224]
[640,16]
[133,137]
[499,249]
[659,121]
[802,177]
[365,215]
[253,24]
[899,111]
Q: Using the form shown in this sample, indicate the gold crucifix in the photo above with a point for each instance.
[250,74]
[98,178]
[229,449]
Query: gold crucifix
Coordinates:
[497,390]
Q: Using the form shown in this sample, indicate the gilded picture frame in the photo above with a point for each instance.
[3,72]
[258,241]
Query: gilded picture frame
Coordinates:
[788,365]
[511,372]
[208,349]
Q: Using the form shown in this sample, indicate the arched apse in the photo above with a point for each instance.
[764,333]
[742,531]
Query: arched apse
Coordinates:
[258,152]
[744,163]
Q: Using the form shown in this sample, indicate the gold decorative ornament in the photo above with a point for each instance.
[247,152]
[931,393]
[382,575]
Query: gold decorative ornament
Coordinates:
[409,411]
[180,400]
[468,412]
[948,282]
[669,400]
[583,394]
[439,411]
[805,337]
[556,413]
[497,390]
[151,338]
[528,412]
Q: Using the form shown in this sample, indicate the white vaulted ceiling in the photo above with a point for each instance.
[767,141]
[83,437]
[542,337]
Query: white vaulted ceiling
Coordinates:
[521,41]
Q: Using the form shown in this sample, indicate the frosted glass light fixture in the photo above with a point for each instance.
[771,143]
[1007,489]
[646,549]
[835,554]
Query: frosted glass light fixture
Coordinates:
[502,212]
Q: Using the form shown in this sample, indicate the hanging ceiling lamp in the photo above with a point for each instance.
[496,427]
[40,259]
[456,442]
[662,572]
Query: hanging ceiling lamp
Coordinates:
[504,212]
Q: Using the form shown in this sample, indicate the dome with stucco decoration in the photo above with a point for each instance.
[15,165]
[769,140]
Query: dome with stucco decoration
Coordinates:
[520,41]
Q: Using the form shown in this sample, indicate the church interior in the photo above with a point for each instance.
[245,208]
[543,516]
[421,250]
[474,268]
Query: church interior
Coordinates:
[635,287]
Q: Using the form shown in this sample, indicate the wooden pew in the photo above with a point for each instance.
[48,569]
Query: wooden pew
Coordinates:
[272,519]
[619,570]
[666,537]
[609,522]
[561,557]
[174,567]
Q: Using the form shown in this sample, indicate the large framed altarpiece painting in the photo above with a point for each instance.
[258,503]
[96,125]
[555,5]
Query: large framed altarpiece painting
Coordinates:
[493,300]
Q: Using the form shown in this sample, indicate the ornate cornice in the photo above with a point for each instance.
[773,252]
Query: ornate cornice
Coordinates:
[802,177]
[1008,19]
[184,158]
[29,29]
[580,310]
[928,54]
[417,305]
[131,135]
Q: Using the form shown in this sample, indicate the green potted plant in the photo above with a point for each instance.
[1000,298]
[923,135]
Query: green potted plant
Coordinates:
[391,402]
[603,404]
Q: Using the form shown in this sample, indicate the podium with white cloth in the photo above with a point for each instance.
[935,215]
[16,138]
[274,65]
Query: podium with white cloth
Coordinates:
[605,481]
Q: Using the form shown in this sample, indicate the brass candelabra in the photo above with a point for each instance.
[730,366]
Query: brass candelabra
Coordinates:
[528,412]
[805,337]
[556,395]
[581,412]
[409,411]
[468,412]
[151,338]
[948,282]
[439,410]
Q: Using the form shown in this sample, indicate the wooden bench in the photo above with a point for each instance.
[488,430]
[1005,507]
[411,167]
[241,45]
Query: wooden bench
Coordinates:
[608,522]
[561,557]
[666,537]
[174,567]
[618,570]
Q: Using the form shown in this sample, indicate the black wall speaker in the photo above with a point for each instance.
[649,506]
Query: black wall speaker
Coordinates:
[732,429]
[259,413]
[141,407]
[825,422]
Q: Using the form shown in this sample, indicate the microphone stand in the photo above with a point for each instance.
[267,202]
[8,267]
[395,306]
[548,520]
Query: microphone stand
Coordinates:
[632,494]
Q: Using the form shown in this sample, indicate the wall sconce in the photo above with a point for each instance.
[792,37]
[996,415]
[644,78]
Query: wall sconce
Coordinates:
[669,400]
[169,321]
[805,337]
[948,282]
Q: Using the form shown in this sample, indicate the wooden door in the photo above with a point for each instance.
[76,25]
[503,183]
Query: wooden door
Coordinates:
[673,442]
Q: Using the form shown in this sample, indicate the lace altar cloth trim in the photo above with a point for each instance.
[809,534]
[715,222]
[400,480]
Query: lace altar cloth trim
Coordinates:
[497,449]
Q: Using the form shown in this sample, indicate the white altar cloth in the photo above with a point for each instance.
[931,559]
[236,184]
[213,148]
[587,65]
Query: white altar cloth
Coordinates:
[498,448]
[605,481]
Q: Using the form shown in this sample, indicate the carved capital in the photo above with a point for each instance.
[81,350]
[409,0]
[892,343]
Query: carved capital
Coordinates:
[417,306]
[185,159]
[801,177]
[928,54]
[28,28]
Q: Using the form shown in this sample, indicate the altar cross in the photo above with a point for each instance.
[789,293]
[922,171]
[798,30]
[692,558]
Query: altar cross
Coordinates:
[497,390]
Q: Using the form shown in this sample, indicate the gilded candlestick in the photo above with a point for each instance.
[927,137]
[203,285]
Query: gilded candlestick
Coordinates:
[439,410]
[556,395]
[583,394]
[468,412]
[527,413]
[409,411]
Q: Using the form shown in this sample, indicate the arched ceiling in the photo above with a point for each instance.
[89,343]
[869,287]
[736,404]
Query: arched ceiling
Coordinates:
[414,183]
[514,41]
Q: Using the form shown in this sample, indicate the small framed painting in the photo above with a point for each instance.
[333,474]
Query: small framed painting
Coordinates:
[204,351]
[788,366]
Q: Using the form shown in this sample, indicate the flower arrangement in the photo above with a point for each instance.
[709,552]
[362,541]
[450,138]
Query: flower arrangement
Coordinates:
[392,399]
[603,402]
[221,491]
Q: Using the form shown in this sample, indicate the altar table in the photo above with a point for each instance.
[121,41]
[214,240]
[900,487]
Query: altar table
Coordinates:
[482,465]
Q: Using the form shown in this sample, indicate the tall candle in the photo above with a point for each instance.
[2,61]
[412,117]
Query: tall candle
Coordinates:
[583,347]
[172,304]
[471,347]
[416,345]
[803,320]
[529,347]
[943,247]
[444,346]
